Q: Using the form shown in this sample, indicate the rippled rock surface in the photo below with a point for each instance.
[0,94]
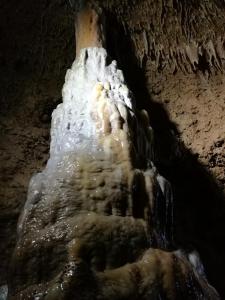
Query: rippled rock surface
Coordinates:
[97,223]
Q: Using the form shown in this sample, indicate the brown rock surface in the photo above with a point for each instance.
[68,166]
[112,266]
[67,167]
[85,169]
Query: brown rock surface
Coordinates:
[89,27]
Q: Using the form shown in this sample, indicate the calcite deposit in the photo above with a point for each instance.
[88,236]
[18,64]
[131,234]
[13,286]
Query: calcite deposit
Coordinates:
[97,223]
[172,48]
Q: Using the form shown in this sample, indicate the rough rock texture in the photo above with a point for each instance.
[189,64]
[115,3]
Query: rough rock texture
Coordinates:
[37,46]
[34,40]
[186,108]
[99,211]
[196,106]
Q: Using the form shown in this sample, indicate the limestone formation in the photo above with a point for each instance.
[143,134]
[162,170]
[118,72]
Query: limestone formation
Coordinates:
[174,35]
[97,221]
[172,55]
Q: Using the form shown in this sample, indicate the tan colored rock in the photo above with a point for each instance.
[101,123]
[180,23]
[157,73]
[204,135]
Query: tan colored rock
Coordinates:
[89,28]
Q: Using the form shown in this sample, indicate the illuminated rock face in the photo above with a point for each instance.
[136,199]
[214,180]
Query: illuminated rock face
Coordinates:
[98,215]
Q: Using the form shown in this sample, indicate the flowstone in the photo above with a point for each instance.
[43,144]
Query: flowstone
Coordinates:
[97,223]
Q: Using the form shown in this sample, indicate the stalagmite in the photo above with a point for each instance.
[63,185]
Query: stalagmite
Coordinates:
[95,224]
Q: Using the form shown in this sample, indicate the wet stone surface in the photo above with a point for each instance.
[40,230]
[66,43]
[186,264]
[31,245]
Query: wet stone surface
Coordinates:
[97,220]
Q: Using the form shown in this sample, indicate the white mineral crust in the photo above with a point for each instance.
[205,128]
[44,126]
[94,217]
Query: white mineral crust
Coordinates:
[88,85]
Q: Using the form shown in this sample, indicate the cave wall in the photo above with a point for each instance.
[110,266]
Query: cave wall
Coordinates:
[37,47]
[172,53]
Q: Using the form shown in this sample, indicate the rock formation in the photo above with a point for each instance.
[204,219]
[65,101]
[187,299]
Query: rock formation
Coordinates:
[98,221]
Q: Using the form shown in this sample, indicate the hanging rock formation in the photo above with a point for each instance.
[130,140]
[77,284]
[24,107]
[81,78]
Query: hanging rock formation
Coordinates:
[97,223]
[173,34]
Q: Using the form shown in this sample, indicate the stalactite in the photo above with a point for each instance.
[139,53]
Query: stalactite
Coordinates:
[174,26]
